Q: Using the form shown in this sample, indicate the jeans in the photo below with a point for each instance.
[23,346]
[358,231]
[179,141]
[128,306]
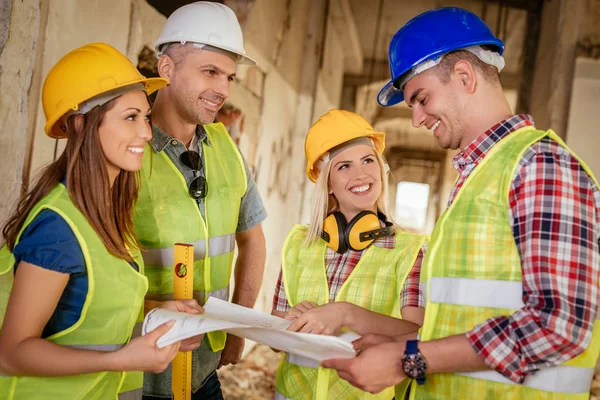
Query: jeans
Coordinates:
[210,390]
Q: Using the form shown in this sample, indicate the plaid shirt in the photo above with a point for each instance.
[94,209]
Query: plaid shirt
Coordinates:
[339,267]
[555,216]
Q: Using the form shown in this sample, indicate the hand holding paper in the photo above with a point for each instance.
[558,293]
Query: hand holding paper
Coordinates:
[251,324]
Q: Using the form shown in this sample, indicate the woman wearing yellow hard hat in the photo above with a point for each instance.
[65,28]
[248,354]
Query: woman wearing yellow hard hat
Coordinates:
[71,276]
[348,267]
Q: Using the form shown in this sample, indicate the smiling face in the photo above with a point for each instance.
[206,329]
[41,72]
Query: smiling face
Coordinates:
[355,180]
[438,107]
[199,84]
[123,133]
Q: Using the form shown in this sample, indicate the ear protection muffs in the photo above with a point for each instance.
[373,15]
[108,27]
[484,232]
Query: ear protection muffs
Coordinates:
[357,234]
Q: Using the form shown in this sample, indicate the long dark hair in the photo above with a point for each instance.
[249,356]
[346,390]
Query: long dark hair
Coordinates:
[110,213]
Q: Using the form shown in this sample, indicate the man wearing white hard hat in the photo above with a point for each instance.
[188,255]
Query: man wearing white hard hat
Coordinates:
[196,187]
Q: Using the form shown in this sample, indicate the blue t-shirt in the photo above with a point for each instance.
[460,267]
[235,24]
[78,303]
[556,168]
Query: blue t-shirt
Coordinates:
[49,242]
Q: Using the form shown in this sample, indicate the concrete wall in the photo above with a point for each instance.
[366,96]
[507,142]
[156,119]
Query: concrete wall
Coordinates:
[279,98]
[145,25]
[278,42]
[563,24]
[18,34]
[582,135]
[40,34]
[97,21]
[585,93]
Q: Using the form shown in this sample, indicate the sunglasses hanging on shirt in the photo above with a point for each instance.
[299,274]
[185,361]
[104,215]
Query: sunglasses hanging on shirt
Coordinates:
[198,188]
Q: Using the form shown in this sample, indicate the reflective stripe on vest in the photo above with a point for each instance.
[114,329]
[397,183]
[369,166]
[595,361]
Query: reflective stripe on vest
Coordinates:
[301,361]
[279,396]
[472,272]
[135,394]
[560,379]
[95,347]
[199,295]
[132,386]
[163,257]
[137,329]
[165,214]
[374,284]
[310,363]
[105,319]
[507,294]
[478,293]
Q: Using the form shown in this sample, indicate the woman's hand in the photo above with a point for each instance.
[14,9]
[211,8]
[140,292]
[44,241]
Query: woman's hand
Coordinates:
[370,340]
[142,353]
[300,309]
[328,319]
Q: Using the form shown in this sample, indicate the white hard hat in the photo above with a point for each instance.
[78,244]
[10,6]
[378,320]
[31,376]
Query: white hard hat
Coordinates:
[206,23]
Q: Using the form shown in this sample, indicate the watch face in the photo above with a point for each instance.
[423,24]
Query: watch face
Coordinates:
[414,365]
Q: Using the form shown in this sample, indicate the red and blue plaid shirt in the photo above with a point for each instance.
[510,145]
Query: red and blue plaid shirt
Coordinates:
[555,216]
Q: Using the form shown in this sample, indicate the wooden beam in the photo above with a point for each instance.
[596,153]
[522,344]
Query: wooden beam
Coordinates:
[530,48]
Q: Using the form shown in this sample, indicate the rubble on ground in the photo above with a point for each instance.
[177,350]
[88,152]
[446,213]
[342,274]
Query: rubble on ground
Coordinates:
[253,378]
[595,392]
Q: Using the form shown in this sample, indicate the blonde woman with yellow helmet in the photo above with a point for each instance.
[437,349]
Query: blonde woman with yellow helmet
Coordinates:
[349,267]
[71,277]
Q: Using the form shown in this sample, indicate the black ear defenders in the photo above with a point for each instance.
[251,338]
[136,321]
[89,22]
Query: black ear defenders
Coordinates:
[357,234]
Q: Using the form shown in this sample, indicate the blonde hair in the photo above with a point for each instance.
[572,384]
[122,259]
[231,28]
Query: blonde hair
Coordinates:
[325,203]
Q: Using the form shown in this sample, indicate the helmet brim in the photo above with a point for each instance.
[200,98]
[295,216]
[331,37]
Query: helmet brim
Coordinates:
[242,60]
[53,130]
[245,60]
[389,95]
[378,141]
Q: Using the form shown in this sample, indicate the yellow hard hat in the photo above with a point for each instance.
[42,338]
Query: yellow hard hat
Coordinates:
[333,129]
[83,74]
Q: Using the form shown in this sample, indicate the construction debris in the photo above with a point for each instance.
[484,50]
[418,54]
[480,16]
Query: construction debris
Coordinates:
[595,392]
[253,378]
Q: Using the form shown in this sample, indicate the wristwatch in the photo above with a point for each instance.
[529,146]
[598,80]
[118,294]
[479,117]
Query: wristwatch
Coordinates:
[413,362]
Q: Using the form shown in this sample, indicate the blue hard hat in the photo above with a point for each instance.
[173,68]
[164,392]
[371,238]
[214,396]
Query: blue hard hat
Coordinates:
[429,35]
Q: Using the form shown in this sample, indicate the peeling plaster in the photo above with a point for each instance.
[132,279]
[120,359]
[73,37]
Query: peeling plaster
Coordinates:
[5,11]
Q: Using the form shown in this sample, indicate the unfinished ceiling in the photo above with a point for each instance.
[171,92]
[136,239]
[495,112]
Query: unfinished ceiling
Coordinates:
[375,23]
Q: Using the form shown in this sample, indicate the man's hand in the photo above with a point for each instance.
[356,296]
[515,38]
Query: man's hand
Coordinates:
[370,340]
[189,306]
[232,353]
[374,369]
[192,343]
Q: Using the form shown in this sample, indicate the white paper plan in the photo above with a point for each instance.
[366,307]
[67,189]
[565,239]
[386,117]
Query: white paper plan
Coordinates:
[251,324]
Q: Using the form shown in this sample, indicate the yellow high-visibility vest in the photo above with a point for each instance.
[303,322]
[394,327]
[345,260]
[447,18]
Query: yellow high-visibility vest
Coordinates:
[472,272]
[374,284]
[166,214]
[106,321]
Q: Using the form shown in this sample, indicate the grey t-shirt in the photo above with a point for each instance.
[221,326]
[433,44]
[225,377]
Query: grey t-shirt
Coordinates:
[252,212]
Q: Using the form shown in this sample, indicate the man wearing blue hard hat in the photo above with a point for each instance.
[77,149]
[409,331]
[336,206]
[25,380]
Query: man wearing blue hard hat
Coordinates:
[510,282]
